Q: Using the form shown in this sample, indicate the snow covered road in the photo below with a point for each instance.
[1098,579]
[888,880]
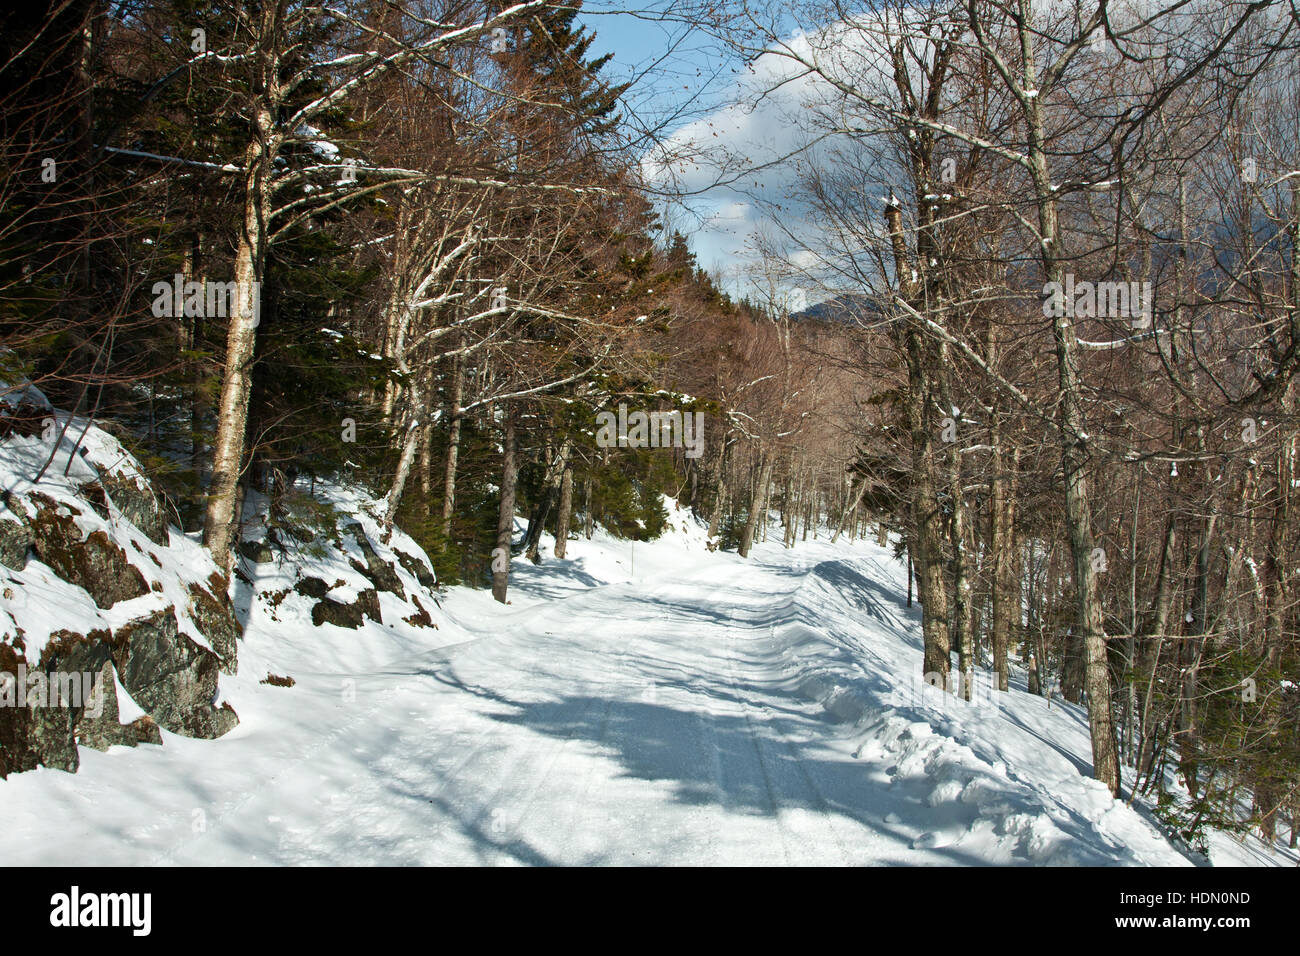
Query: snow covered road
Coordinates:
[711,711]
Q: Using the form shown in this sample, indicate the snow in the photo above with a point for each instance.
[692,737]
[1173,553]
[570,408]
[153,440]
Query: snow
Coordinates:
[319,145]
[636,703]
[24,393]
[38,601]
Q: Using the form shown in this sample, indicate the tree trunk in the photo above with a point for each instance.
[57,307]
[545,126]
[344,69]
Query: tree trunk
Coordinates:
[453,447]
[241,340]
[588,518]
[910,572]
[410,443]
[927,518]
[962,608]
[719,489]
[757,503]
[505,512]
[1073,431]
[857,500]
[1006,582]
[426,460]
[550,493]
[241,336]
[1154,636]
[1276,548]
[1190,652]
[566,512]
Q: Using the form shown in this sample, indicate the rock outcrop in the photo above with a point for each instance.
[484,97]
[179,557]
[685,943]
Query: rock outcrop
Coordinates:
[116,627]
[352,599]
[341,614]
[214,617]
[171,677]
[100,598]
[92,562]
[379,572]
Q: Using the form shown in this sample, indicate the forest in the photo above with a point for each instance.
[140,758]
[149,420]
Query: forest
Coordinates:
[1028,307]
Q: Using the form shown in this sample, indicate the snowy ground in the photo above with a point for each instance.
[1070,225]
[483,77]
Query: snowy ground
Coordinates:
[655,704]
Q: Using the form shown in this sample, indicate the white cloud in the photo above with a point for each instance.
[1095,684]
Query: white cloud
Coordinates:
[738,164]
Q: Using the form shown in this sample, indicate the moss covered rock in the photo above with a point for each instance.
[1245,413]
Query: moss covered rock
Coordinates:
[214,617]
[170,676]
[329,611]
[379,572]
[138,504]
[92,562]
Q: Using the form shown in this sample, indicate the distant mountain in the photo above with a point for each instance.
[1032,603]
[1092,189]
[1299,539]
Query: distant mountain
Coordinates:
[848,308]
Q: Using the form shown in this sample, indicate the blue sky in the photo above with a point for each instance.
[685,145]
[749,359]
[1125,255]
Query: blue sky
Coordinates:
[688,84]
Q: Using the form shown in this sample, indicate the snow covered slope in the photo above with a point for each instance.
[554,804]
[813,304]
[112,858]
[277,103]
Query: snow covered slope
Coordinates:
[634,704]
[99,596]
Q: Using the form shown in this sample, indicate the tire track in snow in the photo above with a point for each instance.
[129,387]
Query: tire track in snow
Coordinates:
[237,810]
[758,768]
[795,755]
[824,814]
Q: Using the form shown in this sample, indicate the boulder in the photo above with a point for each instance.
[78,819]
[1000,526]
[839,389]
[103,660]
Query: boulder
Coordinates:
[170,676]
[379,572]
[70,697]
[139,505]
[30,736]
[105,729]
[94,563]
[92,492]
[421,617]
[417,569]
[214,617]
[312,588]
[329,611]
[259,552]
[15,541]
[368,601]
